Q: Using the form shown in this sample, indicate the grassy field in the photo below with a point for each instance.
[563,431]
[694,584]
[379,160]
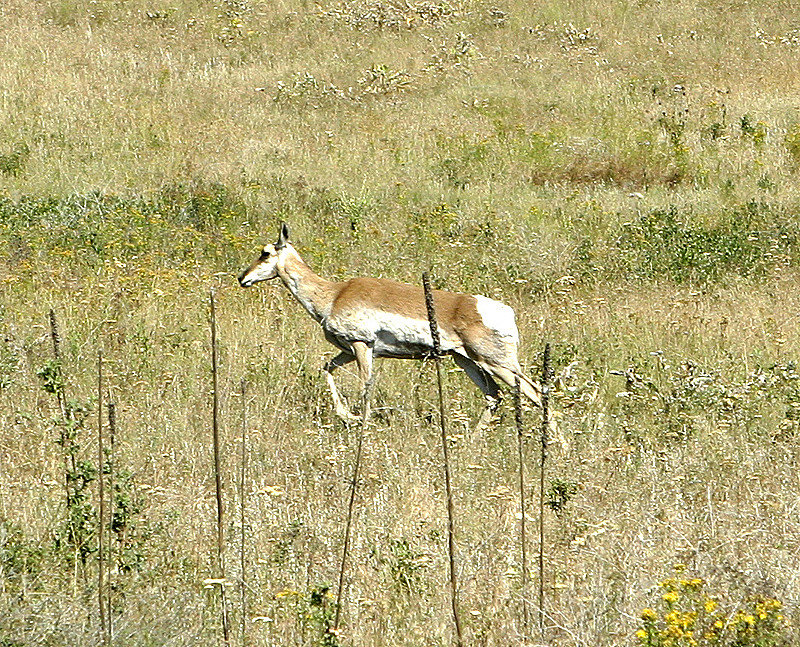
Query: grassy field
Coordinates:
[623,174]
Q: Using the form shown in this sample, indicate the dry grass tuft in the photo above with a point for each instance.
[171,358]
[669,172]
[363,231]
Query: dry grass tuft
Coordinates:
[623,174]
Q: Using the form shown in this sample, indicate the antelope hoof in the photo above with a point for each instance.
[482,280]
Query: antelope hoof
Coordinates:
[484,420]
[488,414]
[346,416]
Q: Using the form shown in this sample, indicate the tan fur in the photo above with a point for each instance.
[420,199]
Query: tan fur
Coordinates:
[456,313]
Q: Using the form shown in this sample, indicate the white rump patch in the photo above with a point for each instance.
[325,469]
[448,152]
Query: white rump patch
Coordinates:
[497,316]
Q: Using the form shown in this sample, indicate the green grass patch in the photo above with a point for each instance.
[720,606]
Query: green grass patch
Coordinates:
[751,241]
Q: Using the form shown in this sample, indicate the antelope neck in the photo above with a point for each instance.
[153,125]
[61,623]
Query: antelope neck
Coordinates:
[313,292]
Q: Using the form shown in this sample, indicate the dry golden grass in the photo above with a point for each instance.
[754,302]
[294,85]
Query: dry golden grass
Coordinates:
[147,150]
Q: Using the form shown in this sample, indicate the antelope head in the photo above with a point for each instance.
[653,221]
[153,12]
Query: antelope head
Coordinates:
[265,267]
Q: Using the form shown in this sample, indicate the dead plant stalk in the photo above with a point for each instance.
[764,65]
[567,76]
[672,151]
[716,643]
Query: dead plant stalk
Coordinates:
[542,462]
[218,472]
[101,524]
[451,543]
[351,503]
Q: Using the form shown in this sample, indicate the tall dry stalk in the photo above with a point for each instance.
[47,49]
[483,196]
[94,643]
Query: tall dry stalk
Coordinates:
[112,435]
[218,472]
[451,542]
[56,339]
[522,534]
[351,503]
[67,442]
[69,456]
[542,462]
[101,524]
[242,506]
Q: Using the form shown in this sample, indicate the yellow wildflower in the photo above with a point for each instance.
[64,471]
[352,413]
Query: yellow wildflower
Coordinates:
[671,597]
[649,615]
[285,593]
[669,584]
[673,631]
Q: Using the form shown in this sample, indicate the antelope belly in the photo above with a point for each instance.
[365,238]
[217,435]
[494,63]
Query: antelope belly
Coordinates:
[399,336]
[390,334]
[388,344]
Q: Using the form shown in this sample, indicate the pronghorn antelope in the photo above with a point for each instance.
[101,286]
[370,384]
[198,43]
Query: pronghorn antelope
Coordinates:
[369,317]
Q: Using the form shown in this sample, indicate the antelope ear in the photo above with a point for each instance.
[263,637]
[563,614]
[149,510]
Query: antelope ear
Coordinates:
[283,236]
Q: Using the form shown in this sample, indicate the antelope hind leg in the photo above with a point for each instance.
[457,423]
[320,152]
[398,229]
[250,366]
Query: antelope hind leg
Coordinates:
[486,384]
[531,391]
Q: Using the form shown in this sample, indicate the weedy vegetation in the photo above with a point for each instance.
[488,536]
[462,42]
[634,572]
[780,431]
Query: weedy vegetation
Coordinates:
[624,174]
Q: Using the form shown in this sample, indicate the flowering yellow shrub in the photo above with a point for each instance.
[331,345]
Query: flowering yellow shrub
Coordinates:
[686,616]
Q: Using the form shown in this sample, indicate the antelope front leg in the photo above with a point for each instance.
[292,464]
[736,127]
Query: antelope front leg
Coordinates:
[340,407]
[364,360]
